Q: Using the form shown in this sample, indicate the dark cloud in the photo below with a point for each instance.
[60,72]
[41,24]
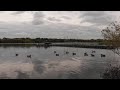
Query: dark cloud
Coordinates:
[37,22]
[18,12]
[92,13]
[53,19]
[38,18]
[65,17]
[96,17]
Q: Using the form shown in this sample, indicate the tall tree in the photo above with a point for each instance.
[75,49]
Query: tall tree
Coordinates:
[111,36]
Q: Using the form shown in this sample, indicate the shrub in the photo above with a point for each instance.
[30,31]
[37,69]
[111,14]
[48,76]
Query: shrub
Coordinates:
[112,72]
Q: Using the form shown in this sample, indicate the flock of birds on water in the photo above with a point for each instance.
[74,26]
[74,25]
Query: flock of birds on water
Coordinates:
[28,56]
[85,54]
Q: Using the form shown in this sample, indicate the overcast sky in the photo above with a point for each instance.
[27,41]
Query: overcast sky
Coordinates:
[55,24]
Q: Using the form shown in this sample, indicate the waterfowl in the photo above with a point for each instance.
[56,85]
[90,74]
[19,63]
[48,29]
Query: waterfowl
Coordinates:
[16,54]
[102,55]
[85,54]
[93,51]
[92,55]
[67,52]
[57,54]
[74,53]
[54,51]
[29,56]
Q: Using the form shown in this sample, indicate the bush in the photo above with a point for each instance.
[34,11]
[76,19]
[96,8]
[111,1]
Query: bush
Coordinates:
[112,72]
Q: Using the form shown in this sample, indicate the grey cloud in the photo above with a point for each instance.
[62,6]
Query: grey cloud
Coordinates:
[55,30]
[52,30]
[102,20]
[65,17]
[18,12]
[96,17]
[53,19]
[37,22]
[93,13]
[38,15]
[38,18]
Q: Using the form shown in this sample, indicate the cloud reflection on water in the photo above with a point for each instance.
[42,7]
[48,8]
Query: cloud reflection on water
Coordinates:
[11,70]
[52,69]
[45,65]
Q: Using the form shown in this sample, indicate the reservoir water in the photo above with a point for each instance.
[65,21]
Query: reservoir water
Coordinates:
[44,64]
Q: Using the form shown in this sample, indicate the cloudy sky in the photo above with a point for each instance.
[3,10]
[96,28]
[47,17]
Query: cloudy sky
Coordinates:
[55,24]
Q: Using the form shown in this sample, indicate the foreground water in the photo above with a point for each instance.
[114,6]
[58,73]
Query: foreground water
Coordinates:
[44,64]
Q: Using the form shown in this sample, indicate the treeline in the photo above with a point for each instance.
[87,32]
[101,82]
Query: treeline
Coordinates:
[43,40]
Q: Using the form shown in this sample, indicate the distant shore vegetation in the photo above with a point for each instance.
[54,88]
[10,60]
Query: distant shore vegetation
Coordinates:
[43,40]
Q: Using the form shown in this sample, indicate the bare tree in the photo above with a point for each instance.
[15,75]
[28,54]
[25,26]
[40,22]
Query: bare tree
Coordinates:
[111,36]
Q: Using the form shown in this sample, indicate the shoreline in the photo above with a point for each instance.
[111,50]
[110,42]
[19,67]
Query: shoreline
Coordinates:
[77,45]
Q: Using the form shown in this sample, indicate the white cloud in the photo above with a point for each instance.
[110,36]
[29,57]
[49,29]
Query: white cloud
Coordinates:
[74,24]
[9,17]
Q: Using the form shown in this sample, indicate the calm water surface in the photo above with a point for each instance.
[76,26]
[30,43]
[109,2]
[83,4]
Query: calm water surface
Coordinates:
[44,64]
